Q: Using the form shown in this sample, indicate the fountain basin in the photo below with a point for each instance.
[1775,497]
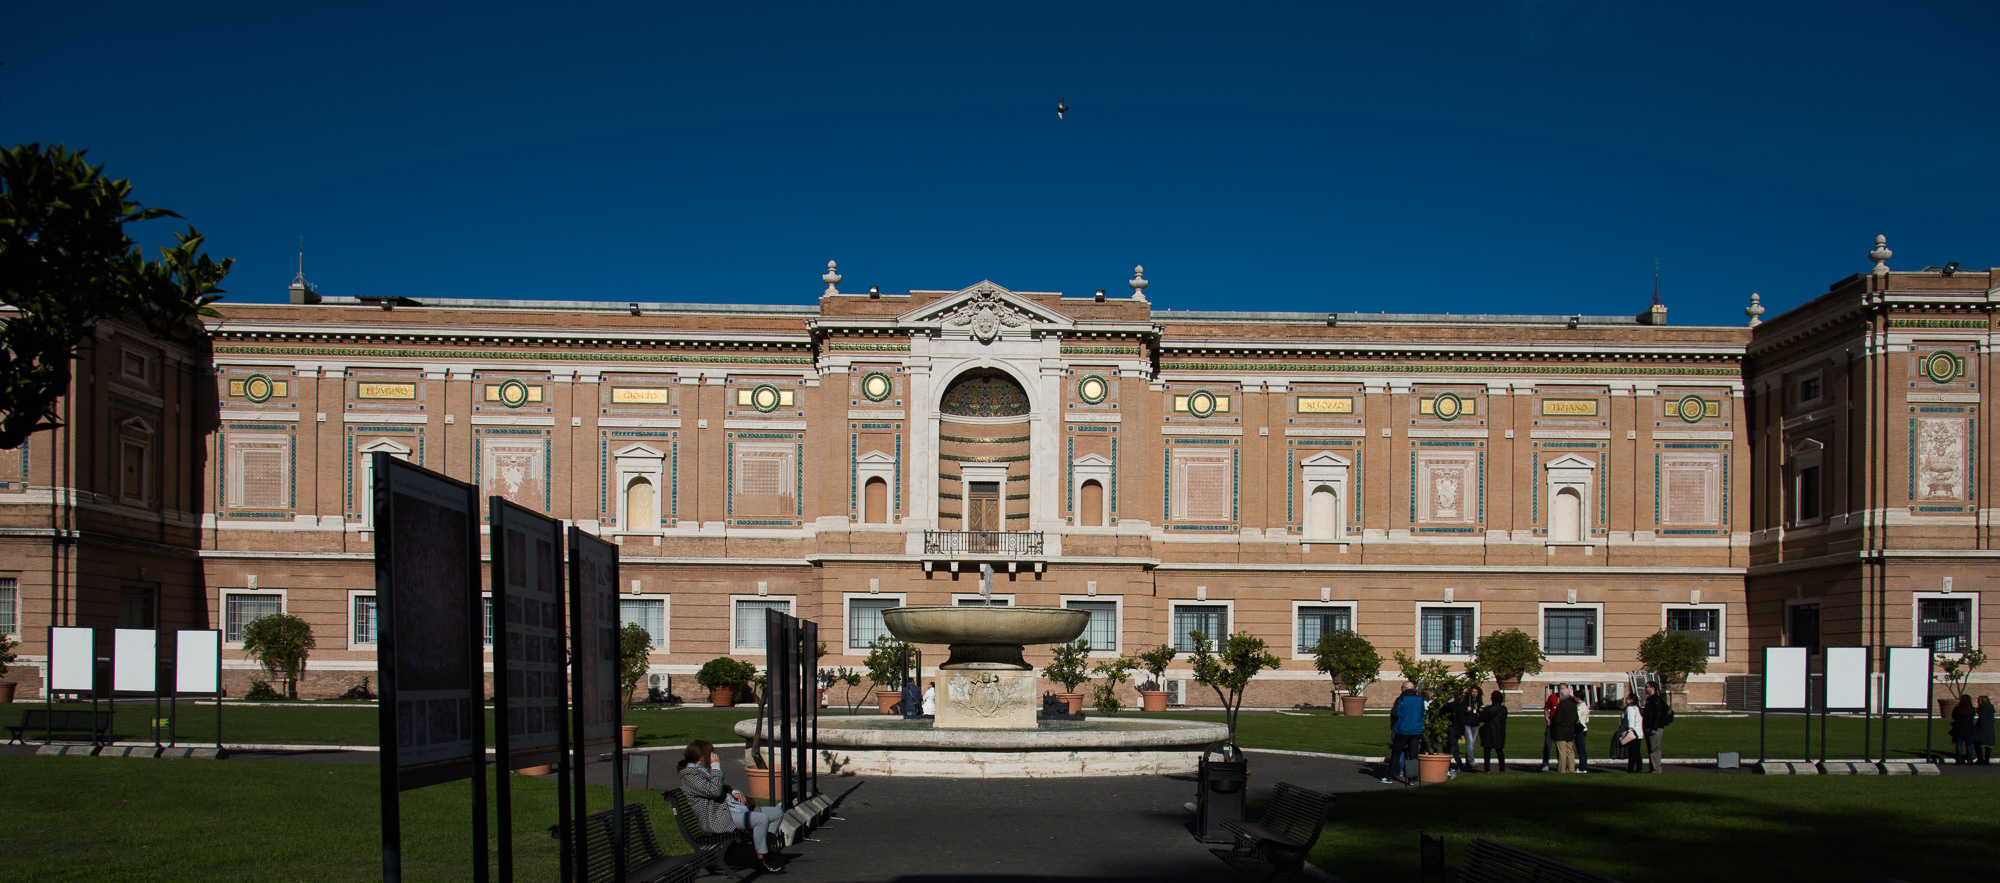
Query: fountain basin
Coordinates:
[991,636]
[874,746]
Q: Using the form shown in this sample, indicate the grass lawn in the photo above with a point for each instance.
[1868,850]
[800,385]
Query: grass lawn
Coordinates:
[86,818]
[1689,735]
[1642,829]
[310,724]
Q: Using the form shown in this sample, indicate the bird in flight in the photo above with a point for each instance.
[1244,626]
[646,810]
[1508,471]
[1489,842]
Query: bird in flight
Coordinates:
[1061,108]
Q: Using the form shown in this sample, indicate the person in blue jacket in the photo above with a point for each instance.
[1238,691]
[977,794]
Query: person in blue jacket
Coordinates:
[1406,724]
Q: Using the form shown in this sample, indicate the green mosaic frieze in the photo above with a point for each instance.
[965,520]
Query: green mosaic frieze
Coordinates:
[510,355]
[1083,350]
[1937,323]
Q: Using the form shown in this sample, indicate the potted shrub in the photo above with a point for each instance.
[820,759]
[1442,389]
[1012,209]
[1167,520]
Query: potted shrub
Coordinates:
[1070,668]
[888,658]
[759,773]
[721,675]
[1348,658]
[280,642]
[635,647]
[1509,654]
[1673,656]
[1434,676]
[1956,672]
[1153,693]
[1114,672]
[7,646]
[1242,656]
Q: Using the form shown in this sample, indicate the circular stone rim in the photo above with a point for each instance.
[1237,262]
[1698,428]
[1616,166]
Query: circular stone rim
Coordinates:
[1154,734]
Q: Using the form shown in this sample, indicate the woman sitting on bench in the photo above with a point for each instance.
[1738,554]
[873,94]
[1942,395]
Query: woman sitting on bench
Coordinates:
[722,809]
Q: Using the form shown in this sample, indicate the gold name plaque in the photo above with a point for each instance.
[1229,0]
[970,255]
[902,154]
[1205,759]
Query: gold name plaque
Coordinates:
[627,395]
[1325,405]
[1569,408]
[385,391]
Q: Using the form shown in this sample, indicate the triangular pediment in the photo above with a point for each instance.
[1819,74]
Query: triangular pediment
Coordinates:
[1569,461]
[1325,458]
[640,451]
[1092,460]
[1012,310]
[875,458]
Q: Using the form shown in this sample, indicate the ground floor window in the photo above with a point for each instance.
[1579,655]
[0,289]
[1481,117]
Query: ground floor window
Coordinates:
[647,613]
[1102,632]
[1945,624]
[10,605]
[748,631]
[1209,619]
[1569,632]
[864,620]
[1802,626]
[135,607]
[1703,623]
[1444,631]
[1315,622]
[366,619]
[240,609]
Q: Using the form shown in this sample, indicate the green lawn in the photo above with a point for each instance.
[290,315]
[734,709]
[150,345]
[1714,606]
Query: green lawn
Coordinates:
[1689,736]
[310,724]
[83,818]
[1667,829]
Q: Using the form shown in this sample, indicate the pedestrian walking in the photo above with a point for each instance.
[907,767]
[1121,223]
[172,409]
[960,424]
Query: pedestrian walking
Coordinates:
[1493,730]
[1549,703]
[1632,723]
[1406,724]
[1658,713]
[1562,728]
[1471,721]
[1983,730]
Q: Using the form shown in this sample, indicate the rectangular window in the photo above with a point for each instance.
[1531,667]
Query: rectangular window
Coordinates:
[981,602]
[239,609]
[1102,632]
[1945,624]
[748,628]
[10,605]
[1808,389]
[135,607]
[1212,620]
[1445,631]
[649,614]
[1569,632]
[1315,622]
[1808,493]
[1802,626]
[488,602]
[864,620]
[365,619]
[1701,623]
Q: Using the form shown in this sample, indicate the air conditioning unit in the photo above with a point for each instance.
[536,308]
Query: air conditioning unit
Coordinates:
[1177,692]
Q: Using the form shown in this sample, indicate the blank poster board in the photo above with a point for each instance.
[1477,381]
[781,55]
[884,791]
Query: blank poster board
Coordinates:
[198,662]
[1909,679]
[1846,679]
[135,660]
[1785,678]
[71,665]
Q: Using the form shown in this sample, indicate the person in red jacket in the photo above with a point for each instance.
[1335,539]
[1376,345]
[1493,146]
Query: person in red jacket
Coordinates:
[1549,704]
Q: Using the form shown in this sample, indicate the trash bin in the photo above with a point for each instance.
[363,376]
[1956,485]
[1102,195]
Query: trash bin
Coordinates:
[1221,777]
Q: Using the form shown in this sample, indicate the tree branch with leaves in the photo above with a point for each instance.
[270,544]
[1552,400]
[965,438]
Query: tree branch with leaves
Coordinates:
[1229,671]
[280,642]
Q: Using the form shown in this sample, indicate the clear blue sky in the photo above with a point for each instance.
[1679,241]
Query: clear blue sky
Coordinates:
[1414,156]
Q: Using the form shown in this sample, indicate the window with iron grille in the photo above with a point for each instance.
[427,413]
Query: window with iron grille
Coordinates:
[1315,622]
[864,620]
[1569,632]
[10,605]
[1945,624]
[240,609]
[1102,632]
[1703,623]
[649,614]
[488,634]
[1210,619]
[1445,631]
[980,602]
[365,619]
[749,621]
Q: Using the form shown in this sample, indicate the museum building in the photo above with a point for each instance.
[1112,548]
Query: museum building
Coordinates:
[1811,480]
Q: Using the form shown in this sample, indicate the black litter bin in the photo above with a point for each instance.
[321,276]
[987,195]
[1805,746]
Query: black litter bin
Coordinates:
[1221,779]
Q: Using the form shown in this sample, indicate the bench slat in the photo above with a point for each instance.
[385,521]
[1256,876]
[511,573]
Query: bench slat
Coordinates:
[1490,861]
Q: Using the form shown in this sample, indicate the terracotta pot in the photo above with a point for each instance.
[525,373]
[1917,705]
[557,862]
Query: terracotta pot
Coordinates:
[537,770]
[1945,706]
[1352,705]
[1509,684]
[761,782]
[7,692]
[628,734]
[886,698]
[1074,701]
[1154,700]
[1432,768]
[722,697]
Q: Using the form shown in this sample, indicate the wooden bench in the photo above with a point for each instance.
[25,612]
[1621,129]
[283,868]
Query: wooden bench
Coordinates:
[1487,861]
[95,725]
[714,846]
[1290,826]
[644,860]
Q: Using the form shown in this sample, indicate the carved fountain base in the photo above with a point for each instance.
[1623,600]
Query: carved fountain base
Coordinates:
[986,696]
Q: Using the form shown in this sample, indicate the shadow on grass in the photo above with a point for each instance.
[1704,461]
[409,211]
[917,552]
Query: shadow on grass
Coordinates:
[1652,828]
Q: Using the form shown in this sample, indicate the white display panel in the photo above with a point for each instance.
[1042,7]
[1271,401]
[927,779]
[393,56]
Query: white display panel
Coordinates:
[1785,678]
[1910,679]
[71,666]
[135,660]
[1846,679]
[198,662]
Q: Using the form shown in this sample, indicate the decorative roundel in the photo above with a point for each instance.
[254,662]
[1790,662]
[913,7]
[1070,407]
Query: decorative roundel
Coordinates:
[1691,408]
[764,398]
[1447,406]
[257,388]
[1092,389]
[876,386]
[513,393]
[1202,403]
[1941,367]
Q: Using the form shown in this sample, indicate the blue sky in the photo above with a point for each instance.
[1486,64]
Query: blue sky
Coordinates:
[1418,156]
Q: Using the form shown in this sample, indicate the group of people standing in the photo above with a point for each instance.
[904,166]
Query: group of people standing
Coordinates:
[1972,731]
[1566,727]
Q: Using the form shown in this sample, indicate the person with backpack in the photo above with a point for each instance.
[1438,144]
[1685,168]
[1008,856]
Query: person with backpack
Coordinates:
[1658,713]
[1406,725]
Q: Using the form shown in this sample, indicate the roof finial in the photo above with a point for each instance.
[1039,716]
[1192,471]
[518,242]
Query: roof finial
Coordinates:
[303,292]
[832,278]
[1881,255]
[1656,282]
[1138,282]
[1755,311]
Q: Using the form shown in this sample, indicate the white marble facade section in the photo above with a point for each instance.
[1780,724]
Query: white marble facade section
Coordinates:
[1940,460]
[1448,488]
[1691,489]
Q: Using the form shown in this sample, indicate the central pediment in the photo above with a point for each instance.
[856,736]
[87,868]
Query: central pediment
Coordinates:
[985,306]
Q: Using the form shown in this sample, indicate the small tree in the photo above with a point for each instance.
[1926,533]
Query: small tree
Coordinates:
[1956,671]
[1229,672]
[1114,672]
[280,642]
[1673,656]
[1155,662]
[724,671]
[7,646]
[1509,654]
[635,645]
[887,658]
[1071,665]
[849,677]
[1435,677]
[754,753]
[1349,659]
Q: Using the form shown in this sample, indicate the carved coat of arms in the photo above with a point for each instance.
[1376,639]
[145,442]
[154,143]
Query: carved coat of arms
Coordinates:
[986,313]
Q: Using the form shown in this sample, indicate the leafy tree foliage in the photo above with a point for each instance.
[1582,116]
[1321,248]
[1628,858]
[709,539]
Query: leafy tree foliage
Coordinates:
[1229,671]
[66,264]
[280,642]
[1673,656]
[635,644]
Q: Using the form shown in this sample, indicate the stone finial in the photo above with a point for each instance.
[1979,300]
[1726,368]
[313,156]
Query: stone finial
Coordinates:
[1881,254]
[832,278]
[1138,282]
[1755,311]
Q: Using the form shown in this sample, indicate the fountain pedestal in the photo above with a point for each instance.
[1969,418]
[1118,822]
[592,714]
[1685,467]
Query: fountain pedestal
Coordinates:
[985,696]
[986,684]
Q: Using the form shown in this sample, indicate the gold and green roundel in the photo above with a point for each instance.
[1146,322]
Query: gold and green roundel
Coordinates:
[1447,406]
[764,398]
[1942,367]
[1093,389]
[1691,408]
[875,387]
[257,388]
[1201,403]
[513,393]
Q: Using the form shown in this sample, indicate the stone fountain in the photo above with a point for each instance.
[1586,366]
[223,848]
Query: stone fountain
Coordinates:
[986,684]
